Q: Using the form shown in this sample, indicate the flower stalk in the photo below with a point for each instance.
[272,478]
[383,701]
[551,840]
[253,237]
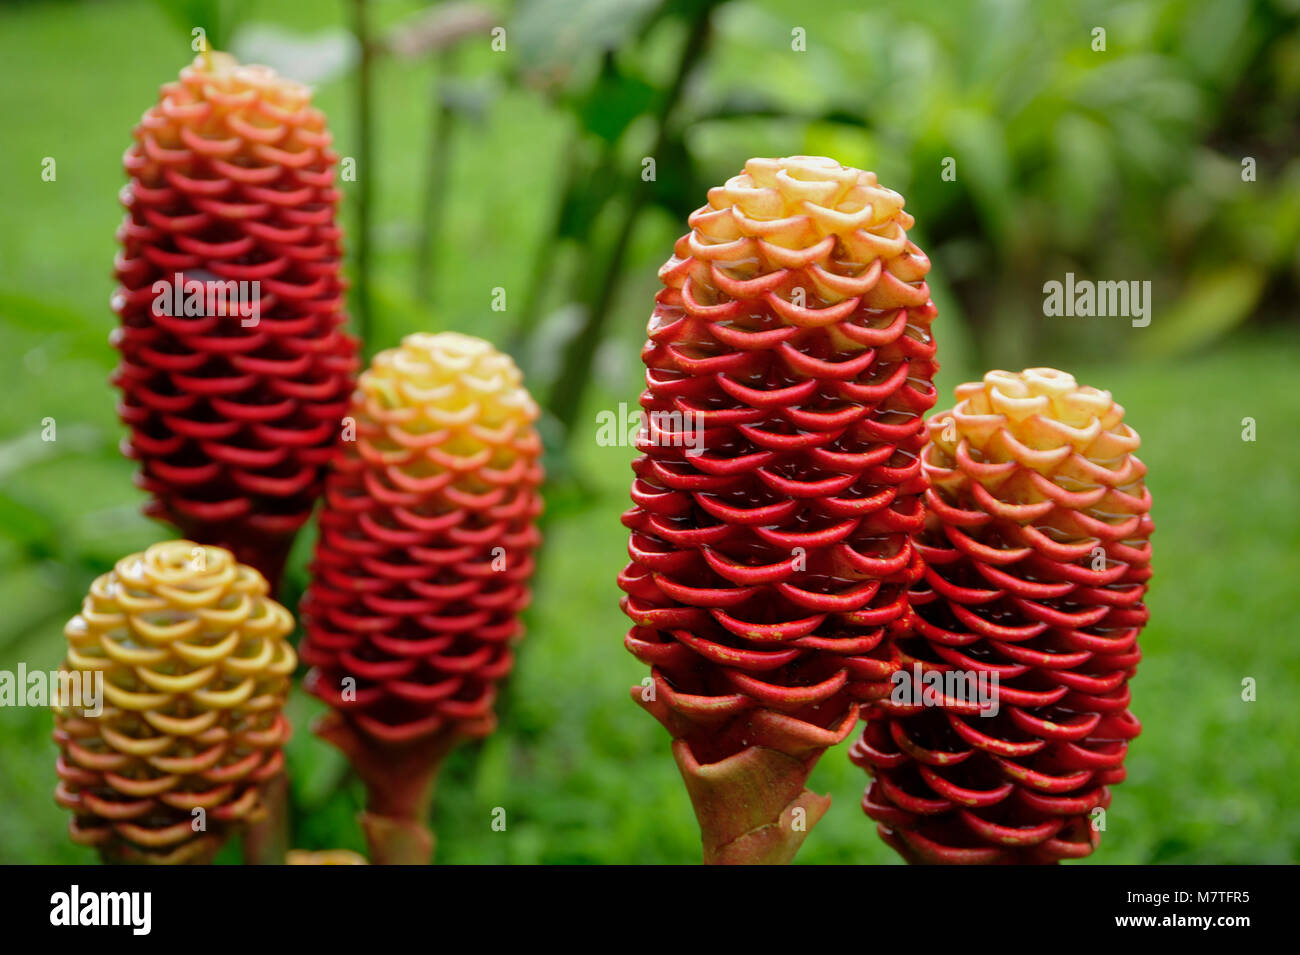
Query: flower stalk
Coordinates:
[788,367]
[421,571]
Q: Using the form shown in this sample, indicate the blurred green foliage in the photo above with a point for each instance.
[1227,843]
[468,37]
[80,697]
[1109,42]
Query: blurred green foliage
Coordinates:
[1117,164]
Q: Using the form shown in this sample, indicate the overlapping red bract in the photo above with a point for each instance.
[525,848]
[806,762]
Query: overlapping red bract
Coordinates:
[1037,563]
[425,552]
[767,569]
[232,179]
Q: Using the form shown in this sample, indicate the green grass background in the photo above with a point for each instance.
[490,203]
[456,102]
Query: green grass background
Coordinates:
[583,774]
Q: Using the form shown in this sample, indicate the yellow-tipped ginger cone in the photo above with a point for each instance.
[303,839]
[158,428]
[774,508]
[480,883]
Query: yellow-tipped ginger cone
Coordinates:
[1025,632]
[172,728]
[788,366]
[422,570]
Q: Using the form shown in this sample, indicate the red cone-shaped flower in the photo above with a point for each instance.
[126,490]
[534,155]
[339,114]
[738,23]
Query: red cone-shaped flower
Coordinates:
[422,569]
[235,370]
[789,364]
[1037,555]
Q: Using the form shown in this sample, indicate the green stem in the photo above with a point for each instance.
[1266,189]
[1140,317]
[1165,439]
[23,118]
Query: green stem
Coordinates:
[442,125]
[365,166]
[753,805]
[544,258]
[575,368]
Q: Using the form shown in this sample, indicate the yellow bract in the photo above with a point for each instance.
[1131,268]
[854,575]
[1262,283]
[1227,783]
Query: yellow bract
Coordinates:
[797,203]
[444,402]
[324,857]
[1036,435]
[182,623]
[196,669]
[1039,410]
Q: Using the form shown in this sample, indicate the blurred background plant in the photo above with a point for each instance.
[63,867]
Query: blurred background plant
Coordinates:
[522,169]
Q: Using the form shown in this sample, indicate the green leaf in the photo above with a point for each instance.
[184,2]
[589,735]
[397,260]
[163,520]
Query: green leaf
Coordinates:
[983,161]
[218,18]
[38,315]
[28,449]
[25,524]
[1214,304]
[1084,177]
[581,205]
[614,101]
[65,331]
[852,146]
[549,36]
[676,186]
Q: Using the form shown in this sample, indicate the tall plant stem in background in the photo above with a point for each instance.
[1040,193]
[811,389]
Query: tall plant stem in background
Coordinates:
[364,165]
[575,368]
[576,175]
[442,125]
[570,383]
